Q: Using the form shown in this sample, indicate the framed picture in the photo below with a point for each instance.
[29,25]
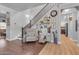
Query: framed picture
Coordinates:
[70,18]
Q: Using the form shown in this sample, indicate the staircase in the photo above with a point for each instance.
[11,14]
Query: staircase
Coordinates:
[43,11]
[40,14]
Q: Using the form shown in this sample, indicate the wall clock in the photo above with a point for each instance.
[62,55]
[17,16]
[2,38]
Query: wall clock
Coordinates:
[53,13]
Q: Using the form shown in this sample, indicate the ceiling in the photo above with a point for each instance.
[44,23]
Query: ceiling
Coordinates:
[21,6]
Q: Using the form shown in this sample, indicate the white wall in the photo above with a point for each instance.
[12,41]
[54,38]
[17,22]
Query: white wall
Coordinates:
[19,20]
[16,23]
[72,26]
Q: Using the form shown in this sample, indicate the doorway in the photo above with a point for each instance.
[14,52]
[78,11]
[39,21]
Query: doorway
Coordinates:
[64,25]
[2,26]
[68,25]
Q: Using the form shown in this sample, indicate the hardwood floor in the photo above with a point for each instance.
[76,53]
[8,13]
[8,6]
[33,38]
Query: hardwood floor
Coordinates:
[67,47]
[16,48]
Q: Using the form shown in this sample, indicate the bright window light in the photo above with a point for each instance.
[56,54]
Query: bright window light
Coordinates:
[67,10]
[2,25]
[62,24]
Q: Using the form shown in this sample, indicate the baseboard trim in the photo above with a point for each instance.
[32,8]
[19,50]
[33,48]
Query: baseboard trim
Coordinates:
[10,39]
[73,39]
[59,42]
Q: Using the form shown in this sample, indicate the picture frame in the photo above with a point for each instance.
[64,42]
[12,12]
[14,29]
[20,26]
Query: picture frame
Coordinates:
[53,13]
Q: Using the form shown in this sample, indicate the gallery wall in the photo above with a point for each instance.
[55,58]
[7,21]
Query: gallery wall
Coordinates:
[57,20]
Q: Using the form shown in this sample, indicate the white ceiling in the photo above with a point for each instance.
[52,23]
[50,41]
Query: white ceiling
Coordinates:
[21,6]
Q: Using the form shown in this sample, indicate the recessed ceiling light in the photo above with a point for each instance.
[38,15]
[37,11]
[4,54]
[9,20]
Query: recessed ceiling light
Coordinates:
[27,16]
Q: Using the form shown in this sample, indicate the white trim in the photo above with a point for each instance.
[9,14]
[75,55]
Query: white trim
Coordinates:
[73,39]
[14,39]
[10,39]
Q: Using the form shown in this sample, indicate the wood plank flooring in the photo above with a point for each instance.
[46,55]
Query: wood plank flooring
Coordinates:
[16,48]
[67,47]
